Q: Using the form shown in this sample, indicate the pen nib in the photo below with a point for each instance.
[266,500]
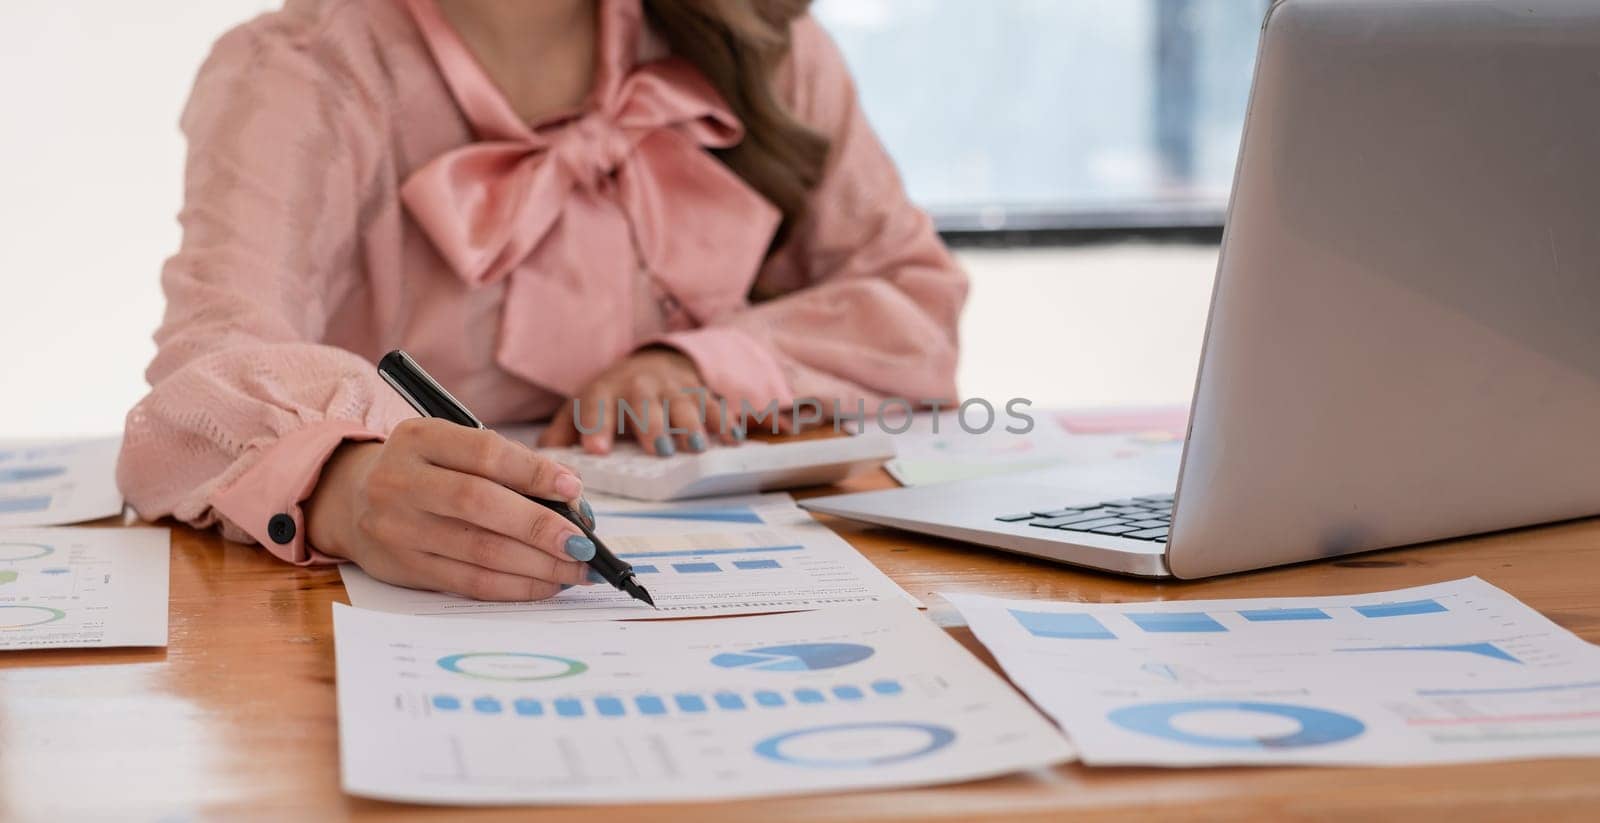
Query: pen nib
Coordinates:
[639,593]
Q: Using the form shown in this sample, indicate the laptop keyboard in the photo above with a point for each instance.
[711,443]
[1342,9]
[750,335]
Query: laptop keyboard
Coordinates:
[1141,518]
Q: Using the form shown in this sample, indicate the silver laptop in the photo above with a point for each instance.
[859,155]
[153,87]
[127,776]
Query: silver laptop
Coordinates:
[1404,340]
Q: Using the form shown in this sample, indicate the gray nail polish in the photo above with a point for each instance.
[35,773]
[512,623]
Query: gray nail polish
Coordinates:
[596,577]
[697,442]
[664,447]
[586,512]
[738,433]
[580,548]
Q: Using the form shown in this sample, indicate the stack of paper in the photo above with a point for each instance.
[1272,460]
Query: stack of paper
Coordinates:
[732,555]
[1446,673]
[74,588]
[467,711]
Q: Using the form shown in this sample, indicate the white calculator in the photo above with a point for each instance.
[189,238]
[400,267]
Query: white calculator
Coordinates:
[755,466]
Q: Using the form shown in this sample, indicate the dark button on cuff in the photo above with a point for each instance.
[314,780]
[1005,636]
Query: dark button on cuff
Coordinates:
[281,529]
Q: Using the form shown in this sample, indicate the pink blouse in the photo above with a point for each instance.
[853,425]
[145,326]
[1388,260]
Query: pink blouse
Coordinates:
[357,183]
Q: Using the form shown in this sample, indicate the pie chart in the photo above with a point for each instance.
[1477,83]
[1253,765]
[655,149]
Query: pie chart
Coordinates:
[800,657]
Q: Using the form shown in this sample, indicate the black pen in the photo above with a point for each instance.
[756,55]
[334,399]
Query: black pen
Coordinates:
[430,399]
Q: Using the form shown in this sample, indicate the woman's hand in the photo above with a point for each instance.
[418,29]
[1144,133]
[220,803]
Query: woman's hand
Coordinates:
[662,388]
[441,506]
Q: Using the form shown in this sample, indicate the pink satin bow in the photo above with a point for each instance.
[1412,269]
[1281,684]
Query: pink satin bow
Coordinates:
[570,213]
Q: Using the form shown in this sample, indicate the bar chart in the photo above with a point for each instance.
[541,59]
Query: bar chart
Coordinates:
[1067,625]
[681,703]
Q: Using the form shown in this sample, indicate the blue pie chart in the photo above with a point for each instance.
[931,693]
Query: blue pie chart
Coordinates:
[23,474]
[1317,727]
[800,657]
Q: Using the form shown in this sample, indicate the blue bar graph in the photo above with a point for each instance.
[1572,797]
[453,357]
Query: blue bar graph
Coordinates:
[12,505]
[696,568]
[1065,625]
[1401,609]
[1275,615]
[808,696]
[645,569]
[710,552]
[711,514]
[1165,622]
[656,705]
[756,564]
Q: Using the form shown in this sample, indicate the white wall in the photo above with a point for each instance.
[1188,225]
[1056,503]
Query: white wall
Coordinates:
[88,197]
[89,190]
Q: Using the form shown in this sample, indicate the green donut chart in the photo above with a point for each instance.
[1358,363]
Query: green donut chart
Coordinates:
[26,617]
[13,552]
[521,667]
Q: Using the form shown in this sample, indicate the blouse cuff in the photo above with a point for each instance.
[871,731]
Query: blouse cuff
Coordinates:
[734,365]
[265,500]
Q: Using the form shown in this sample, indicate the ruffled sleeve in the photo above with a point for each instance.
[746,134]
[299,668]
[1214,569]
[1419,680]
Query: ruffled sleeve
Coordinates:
[245,403]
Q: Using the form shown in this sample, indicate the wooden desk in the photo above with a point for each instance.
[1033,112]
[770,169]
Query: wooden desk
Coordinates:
[236,717]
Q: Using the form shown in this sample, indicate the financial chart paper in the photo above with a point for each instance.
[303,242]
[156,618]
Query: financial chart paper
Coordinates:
[749,554]
[1452,672]
[435,710]
[56,482]
[83,588]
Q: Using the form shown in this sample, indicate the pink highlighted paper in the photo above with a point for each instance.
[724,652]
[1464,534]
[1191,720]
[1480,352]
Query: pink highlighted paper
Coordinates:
[1168,420]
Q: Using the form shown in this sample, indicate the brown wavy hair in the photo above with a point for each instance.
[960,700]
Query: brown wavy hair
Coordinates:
[738,45]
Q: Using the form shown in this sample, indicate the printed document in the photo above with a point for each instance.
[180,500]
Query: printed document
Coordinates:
[56,482]
[81,588]
[435,710]
[1447,673]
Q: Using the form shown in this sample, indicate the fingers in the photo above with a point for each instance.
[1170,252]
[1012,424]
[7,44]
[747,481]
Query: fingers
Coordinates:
[595,410]
[492,506]
[488,455]
[684,415]
[645,400]
[446,574]
[561,432]
[463,541]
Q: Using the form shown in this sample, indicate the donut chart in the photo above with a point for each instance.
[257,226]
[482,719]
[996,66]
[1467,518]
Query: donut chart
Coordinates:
[26,617]
[855,745]
[1317,727]
[519,667]
[12,552]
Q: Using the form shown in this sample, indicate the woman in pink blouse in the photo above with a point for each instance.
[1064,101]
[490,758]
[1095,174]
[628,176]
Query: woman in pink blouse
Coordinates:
[545,201]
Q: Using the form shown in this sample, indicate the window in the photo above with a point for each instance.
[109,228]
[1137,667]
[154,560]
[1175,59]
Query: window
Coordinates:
[1056,114]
